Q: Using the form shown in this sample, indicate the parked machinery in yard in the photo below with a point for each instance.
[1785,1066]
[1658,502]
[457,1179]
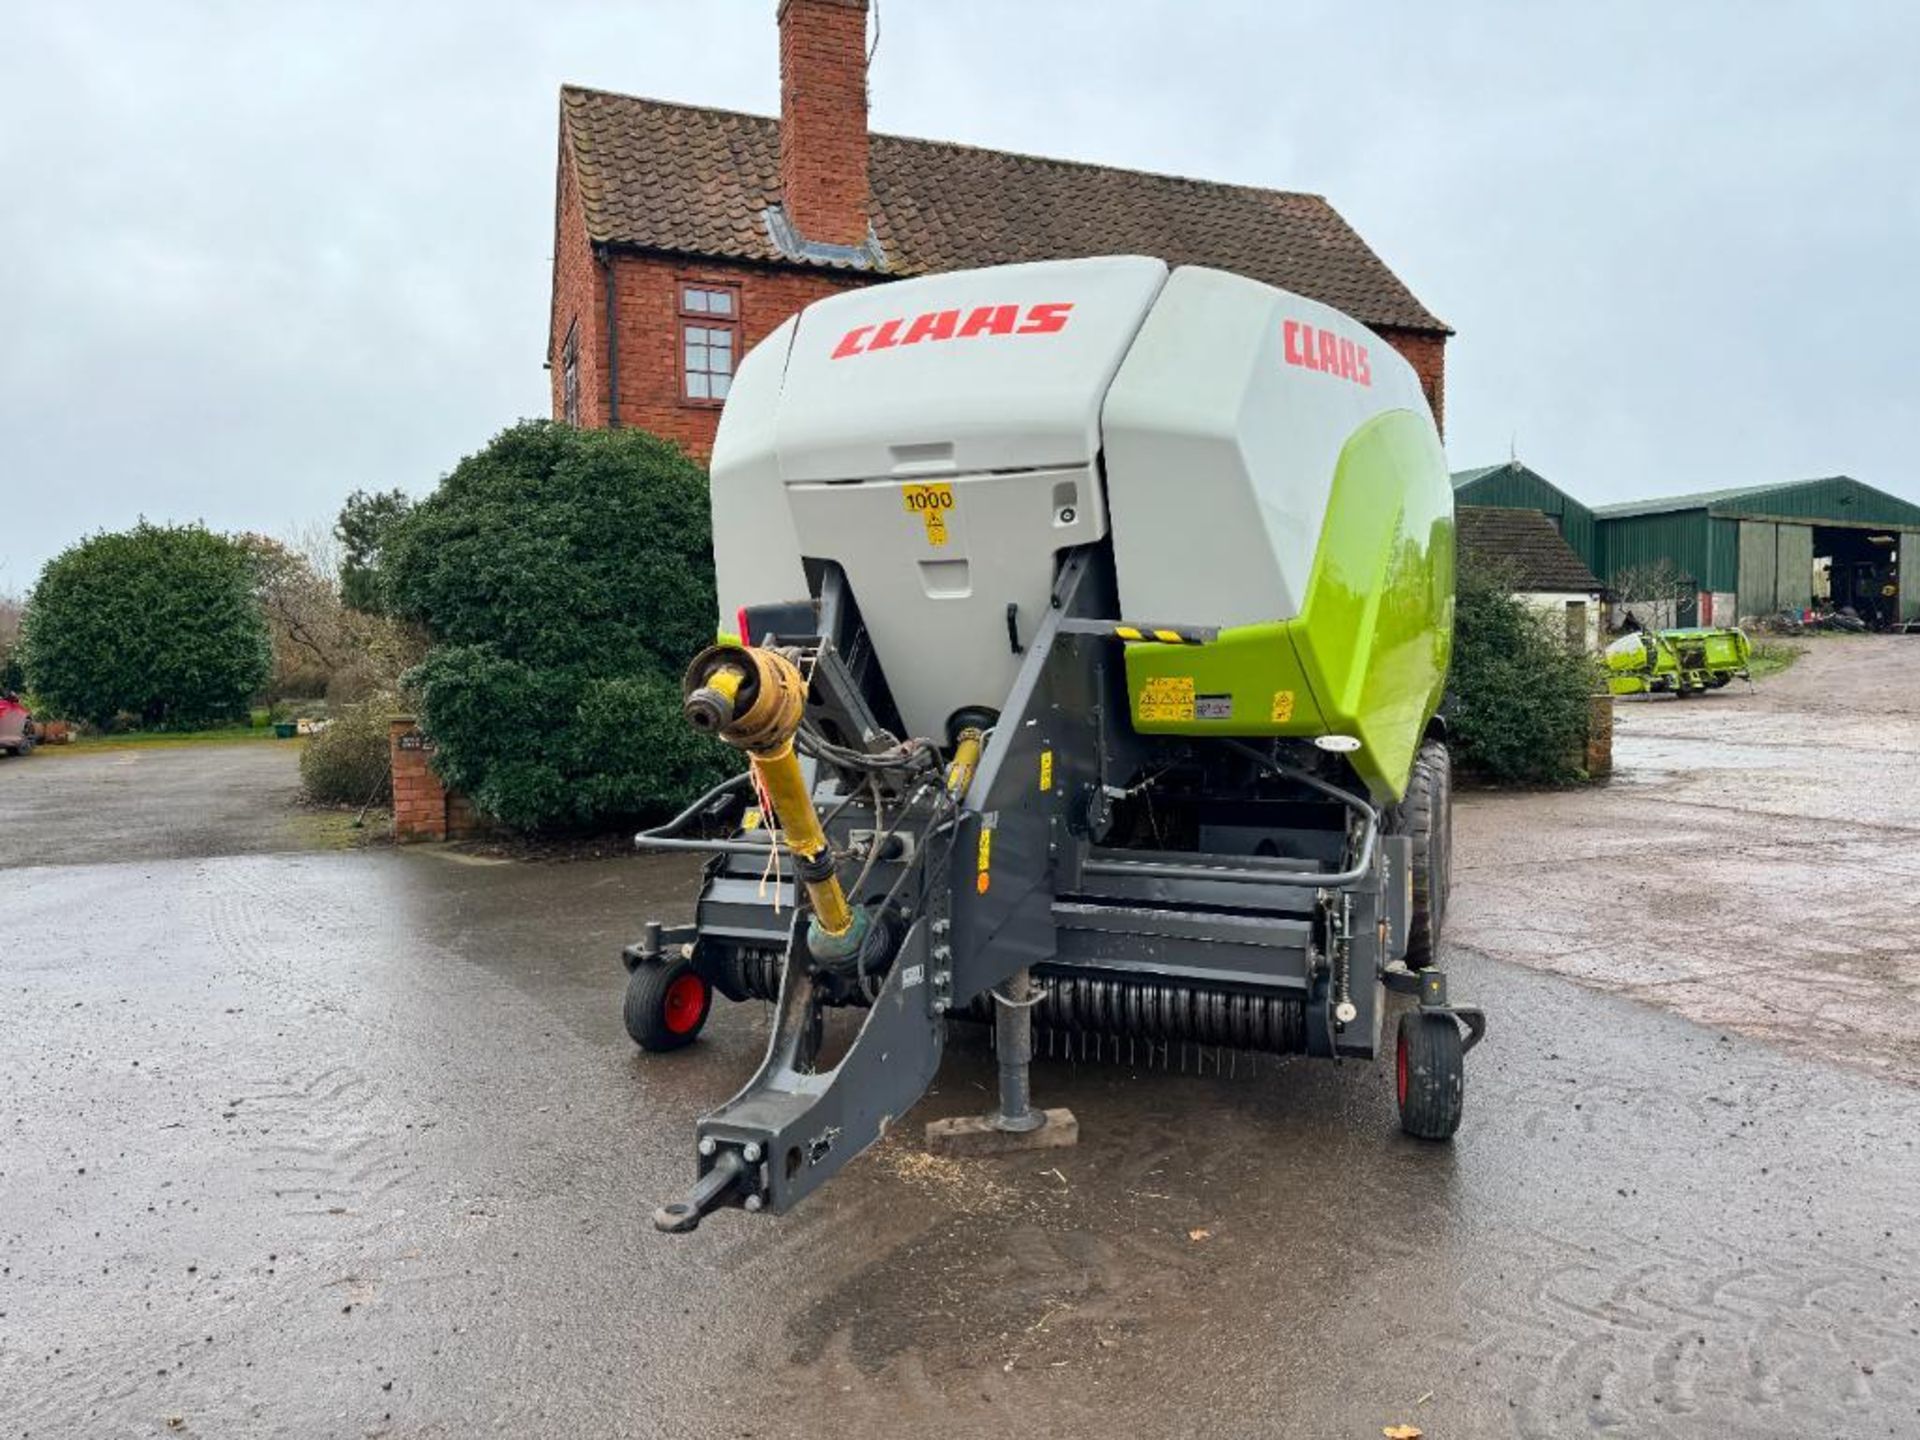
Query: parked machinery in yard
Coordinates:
[1680,662]
[1088,626]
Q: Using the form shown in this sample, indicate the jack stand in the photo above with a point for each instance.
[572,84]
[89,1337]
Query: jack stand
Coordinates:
[1016,1125]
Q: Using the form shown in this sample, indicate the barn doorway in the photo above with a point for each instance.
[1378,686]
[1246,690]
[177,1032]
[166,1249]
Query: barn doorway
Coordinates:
[1857,569]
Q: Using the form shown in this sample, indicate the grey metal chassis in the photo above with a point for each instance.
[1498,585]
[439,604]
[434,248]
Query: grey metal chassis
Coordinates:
[1238,948]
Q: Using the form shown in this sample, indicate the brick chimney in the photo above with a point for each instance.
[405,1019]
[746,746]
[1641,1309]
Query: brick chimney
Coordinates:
[823,119]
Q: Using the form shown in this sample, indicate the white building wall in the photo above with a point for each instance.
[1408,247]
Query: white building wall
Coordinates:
[1552,604]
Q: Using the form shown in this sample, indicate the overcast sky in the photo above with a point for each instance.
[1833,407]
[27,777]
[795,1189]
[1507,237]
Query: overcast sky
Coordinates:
[255,255]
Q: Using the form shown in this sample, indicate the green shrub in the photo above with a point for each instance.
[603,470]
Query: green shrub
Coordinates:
[565,577]
[1517,703]
[348,762]
[157,623]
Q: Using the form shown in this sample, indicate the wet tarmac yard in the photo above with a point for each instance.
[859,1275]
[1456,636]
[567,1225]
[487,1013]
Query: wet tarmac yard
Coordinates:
[299,1143]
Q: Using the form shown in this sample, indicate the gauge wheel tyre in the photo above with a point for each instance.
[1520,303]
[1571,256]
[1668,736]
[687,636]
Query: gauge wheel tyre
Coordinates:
[1425,816]
[667,1004]
[1429,1064]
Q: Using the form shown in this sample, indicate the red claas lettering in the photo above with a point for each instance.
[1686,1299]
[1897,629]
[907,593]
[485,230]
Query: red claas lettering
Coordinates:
[1312,348]
[948,325]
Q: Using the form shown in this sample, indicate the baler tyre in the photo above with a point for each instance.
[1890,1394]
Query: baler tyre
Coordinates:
[667,1003]
[1425,815]
[1429,1062]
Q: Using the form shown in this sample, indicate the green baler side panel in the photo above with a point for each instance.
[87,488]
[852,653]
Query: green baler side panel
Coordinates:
[1367,655]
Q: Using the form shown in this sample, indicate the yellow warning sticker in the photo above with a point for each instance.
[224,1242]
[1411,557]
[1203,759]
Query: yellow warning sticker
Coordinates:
[986,858]
[1166,697]
[751,820]
[1046,769]
[1282,706]
[932,503]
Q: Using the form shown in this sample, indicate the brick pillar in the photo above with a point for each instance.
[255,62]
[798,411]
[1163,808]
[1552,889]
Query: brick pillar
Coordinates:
[419,799]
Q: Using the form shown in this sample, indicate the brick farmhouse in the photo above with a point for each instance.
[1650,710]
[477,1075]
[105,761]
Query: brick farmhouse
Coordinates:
[684,235]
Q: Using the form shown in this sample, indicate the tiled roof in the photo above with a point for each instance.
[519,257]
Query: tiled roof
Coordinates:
[1523,546]
[695,181]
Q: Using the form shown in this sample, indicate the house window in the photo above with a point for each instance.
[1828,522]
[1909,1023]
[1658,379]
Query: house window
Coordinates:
[709,342]
[570,376]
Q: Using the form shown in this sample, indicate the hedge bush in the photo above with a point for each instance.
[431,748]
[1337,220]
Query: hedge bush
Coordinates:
[159,623]
[565,577]
[1517,706]
[348,762]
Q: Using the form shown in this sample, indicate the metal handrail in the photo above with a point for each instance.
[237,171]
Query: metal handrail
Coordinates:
[661,837]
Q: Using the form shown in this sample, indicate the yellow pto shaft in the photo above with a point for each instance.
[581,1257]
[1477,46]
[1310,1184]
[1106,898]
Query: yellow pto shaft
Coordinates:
[753,699]
[966,756]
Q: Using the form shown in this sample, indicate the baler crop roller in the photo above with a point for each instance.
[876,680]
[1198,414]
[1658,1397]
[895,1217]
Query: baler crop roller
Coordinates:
[1086,627]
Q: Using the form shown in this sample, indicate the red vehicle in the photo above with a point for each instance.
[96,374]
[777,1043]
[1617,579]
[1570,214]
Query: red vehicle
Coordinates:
[16,726]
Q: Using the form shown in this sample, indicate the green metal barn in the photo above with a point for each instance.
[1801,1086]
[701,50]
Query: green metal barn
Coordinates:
[1760,549]
[1515,486]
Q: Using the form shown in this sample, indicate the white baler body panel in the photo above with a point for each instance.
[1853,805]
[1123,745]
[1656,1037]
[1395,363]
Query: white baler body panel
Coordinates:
[756,554]
[937,615]
[874,391]
[1218,448]
[985,386]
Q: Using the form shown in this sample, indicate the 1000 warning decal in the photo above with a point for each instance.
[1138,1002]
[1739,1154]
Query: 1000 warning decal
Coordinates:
[932,503]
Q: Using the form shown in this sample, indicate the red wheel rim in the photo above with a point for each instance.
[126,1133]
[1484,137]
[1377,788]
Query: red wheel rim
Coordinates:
[686,1001]
[1400,1066]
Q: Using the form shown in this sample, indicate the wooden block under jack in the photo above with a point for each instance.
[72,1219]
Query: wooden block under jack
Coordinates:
[978,1135]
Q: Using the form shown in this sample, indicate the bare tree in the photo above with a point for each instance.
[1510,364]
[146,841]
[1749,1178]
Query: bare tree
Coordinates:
[12,607]
[303,609]
[1649,596]
[316,543]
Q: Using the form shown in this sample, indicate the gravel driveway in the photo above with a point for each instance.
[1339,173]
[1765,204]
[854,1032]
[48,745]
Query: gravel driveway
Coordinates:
[1754,863]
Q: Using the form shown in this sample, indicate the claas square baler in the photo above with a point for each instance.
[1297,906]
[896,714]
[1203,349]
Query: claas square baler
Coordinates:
[1084,626]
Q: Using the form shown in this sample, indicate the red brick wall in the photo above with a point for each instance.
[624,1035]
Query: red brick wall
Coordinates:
[823,118]
[1428,356]
[648,317]
[648,299]
[579,296]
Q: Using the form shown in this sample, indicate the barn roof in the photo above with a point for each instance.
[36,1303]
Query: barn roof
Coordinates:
[1832,497]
